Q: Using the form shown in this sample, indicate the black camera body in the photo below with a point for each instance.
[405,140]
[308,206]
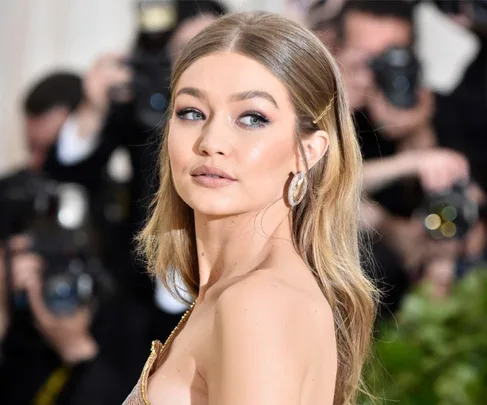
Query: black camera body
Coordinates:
[54,216]
[150,85]
[74,276]
[147,95]
[449,214]
[148,92]
[397,74]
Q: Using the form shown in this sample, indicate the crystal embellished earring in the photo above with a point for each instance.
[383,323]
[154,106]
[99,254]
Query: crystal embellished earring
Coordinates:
[297,189]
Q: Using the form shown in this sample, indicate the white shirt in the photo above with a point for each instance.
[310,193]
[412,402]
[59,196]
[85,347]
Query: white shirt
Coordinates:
[73,148]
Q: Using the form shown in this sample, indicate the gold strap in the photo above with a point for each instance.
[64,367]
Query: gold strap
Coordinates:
[157,350]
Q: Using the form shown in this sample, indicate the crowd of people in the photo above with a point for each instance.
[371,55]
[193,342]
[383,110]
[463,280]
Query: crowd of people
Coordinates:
[419,147]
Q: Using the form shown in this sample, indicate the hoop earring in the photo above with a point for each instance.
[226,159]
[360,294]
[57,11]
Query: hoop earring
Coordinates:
[297,189]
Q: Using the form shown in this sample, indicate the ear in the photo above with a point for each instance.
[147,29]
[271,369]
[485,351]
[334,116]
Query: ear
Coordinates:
[315,147]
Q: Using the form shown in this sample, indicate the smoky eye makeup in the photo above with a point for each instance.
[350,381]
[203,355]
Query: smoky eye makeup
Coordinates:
[190,114]
[253,119]
[249,119]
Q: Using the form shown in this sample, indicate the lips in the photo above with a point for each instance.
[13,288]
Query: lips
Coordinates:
[211,177]
[211,172]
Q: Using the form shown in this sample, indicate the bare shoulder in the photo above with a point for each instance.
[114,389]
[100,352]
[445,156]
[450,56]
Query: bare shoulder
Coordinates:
[270,340]
[268,303]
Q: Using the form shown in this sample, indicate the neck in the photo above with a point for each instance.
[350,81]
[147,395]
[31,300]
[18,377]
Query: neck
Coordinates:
[235,245]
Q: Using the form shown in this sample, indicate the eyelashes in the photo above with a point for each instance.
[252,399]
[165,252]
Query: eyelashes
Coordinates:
[190,114]
[253,119]
[249,119]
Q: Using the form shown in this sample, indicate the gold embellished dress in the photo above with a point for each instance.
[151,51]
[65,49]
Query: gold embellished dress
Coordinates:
[138,396]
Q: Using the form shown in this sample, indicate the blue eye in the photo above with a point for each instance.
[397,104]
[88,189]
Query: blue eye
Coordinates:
[253,120]
[190,114]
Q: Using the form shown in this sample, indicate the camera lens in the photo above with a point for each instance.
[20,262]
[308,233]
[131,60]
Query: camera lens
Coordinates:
[60,294]
[449,214]
[401,84]
[397,75]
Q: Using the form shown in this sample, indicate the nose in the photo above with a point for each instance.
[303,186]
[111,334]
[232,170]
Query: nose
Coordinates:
[214,139]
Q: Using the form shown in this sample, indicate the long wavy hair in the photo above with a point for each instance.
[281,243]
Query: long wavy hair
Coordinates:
[325,223]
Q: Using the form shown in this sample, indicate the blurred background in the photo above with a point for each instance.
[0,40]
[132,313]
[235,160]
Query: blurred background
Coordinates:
[83,91]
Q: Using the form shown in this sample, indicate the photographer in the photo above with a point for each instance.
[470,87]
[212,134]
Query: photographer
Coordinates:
[64,334]
[62,359]
[69,337]
[404,159]
[46,108]
[72,356]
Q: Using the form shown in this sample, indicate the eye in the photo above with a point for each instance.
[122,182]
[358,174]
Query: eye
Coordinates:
[253,120]
[190,114]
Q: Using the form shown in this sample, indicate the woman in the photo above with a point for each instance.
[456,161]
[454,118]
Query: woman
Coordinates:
[257,211]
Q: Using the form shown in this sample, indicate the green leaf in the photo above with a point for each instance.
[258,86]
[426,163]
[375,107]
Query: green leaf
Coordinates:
[435,352]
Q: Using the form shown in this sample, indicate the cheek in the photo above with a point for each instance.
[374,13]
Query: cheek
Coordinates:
[269,165]
[43,134]
[179,154]
[270,157]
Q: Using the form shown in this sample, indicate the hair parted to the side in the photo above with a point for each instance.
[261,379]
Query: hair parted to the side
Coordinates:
[325,223]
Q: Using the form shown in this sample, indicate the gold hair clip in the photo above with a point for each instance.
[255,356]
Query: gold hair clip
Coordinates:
[326,110]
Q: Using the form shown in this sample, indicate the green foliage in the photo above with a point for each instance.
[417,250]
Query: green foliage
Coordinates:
[434,352]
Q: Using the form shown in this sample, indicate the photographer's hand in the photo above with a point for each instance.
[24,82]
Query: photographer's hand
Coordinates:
[396,122]
[69,336]
[438,169]
[106,73]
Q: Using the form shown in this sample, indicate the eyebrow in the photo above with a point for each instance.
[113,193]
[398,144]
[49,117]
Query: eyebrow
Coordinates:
[248,95]
[245,95]
[192,91]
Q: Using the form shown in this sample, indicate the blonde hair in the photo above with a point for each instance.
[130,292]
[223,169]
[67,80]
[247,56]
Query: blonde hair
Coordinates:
[325,223]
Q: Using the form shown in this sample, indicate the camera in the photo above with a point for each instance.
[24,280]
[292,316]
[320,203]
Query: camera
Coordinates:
[55,217]
[449,214]
[396,73]
[150,63]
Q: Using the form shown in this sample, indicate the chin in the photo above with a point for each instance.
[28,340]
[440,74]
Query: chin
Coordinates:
[215,213]
[214,206]
[214,210]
